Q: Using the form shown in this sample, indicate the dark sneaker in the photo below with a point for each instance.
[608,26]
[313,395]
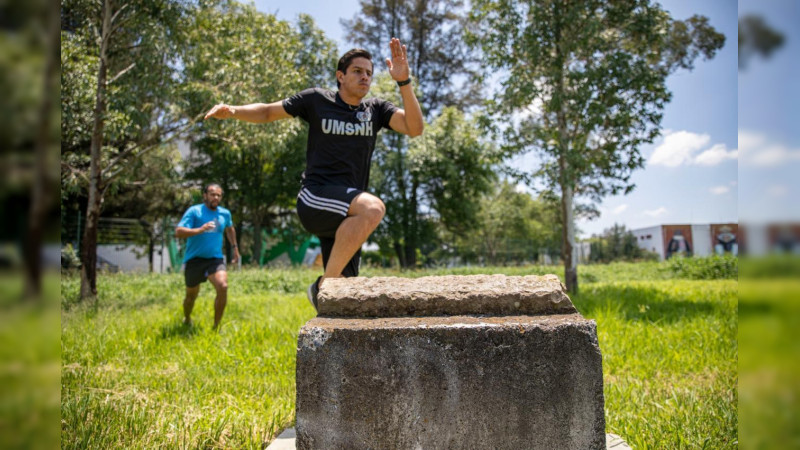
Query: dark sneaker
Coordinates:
[313,290]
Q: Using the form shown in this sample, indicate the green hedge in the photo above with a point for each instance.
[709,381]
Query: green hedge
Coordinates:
[704,268]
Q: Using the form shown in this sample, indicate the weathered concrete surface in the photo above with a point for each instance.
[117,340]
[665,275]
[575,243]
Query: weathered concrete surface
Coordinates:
[443,295]
[508,382]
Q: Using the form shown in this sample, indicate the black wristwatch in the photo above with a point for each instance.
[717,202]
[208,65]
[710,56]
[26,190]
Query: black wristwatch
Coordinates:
[403,83]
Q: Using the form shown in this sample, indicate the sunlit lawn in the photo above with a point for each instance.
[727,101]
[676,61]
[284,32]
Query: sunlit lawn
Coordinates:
[134,376]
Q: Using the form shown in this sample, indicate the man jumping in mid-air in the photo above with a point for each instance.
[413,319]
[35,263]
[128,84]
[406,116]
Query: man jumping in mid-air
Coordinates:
[333,203]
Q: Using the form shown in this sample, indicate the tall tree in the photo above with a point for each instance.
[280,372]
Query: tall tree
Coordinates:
[130,47]
[253,57]
[443,68]
[591,78]
[29,58]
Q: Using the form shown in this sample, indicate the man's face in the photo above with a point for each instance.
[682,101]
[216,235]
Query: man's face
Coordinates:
[358,77]
[212,197]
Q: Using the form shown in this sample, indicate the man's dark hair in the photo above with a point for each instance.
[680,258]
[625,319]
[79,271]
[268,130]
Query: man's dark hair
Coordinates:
[209,185]
[347,58]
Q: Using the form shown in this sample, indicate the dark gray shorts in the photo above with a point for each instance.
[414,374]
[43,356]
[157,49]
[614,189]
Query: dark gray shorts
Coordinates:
[198,269]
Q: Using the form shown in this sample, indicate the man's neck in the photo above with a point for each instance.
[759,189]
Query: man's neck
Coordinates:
[209,207]
[350,99]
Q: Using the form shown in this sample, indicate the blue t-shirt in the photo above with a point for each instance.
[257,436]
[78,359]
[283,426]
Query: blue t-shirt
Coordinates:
[209,243]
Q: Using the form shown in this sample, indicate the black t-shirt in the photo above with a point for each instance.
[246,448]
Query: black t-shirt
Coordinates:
[340,139]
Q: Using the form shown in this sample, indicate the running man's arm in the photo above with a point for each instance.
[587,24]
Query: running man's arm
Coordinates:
[230,232]
[185,232]
[409,120]
[253,113]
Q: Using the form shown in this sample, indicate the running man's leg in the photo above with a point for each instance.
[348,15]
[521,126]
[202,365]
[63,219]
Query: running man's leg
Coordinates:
[365,214]
[188,303]
[220,281]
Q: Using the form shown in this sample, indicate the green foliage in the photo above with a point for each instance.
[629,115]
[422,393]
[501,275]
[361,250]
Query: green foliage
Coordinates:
[756,37]
[443,69]
[772,266]
[511,227]
[705,268]
[454,166]
[253,58]
[617,244]
[442,65]
[587,81]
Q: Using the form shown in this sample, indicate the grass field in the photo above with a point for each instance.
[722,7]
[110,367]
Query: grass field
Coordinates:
[133,376]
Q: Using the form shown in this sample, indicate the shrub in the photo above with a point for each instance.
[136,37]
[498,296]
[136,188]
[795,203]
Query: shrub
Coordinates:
[704,268]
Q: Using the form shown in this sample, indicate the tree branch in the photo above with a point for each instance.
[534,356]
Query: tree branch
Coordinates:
[114,17]
[121,73]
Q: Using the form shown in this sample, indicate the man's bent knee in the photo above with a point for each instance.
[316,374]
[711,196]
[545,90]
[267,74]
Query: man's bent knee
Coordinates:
[368,206]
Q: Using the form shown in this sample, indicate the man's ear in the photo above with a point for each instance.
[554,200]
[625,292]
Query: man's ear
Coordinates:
[340,76]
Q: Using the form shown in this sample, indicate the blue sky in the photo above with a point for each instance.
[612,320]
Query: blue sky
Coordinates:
[692,173]
[769,121]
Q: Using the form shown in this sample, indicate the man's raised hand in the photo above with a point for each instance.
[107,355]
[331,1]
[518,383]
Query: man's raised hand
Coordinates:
[221,111]
[398,64]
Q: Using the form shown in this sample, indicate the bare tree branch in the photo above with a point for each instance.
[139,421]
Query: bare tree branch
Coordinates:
[121,73]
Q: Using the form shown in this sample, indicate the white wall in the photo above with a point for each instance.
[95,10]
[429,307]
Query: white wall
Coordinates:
[653,243]
[124,257]
[701,240]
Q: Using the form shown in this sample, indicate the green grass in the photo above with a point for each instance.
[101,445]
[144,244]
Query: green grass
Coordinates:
[769,363]
[134,377]
[30,365]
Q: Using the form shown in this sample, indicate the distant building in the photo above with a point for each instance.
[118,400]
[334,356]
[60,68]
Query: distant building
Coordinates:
[720,238]
[689,240]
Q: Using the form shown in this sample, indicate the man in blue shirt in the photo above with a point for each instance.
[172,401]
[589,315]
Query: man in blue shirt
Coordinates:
[203,225]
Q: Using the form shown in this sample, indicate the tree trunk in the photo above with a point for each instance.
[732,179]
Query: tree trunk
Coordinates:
[566,179]
[257,241]
[401,254]
[412,237]
[40,198]
[89,242]
[89,246]
[568,249]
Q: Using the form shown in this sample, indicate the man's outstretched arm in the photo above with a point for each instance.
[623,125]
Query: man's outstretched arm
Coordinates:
[408,120]
[253,113]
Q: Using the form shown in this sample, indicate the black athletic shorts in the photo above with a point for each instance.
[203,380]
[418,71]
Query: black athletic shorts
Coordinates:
[198,269]
[321,210]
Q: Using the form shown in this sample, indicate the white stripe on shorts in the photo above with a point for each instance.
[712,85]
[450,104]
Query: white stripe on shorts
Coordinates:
[325,204]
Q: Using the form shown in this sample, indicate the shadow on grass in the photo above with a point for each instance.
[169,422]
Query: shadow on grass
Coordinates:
[756,308]
[174,330]
[647,304]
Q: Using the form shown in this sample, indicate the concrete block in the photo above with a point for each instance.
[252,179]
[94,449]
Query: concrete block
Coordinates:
[443,295]
[463,381]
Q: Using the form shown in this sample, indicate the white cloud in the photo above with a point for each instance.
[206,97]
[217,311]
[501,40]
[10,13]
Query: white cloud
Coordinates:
[777,190]
[656,212]
[715,155]
[719,190]
[678,148]
[749,140]
[685,147]
[758,150]
[620,209]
